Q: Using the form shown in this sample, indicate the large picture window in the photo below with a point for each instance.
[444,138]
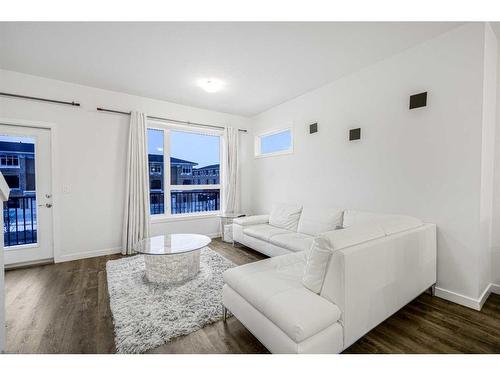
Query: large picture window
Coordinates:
[184,171]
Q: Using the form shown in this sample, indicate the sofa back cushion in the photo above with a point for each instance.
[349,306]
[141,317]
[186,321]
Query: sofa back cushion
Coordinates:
[285,216]
[391,224]
[352,217]
[316,220]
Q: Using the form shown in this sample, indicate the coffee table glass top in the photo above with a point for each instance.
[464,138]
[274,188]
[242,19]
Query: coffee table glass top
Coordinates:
[171,244]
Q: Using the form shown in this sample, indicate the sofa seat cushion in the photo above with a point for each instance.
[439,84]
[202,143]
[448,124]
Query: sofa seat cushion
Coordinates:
[263,231]
[274,287]
[292,241]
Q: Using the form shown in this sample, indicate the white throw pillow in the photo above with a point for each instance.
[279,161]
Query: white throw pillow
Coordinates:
[285,216]
[324,246]
[317,263]
[316,220]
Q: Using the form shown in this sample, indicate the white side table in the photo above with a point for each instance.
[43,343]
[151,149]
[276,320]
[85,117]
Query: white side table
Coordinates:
[226,226]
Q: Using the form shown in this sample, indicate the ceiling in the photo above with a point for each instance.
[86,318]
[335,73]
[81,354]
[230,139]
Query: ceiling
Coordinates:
[263,64]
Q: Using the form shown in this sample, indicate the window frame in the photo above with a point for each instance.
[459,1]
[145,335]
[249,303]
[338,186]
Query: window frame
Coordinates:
[167,127]
[257,143]
[153,169]
[12,157]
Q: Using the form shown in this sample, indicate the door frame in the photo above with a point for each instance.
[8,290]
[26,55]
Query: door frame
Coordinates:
[54,163]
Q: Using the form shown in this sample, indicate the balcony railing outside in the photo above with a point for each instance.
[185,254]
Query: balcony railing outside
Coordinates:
[156,203]
[19,221]
[182,202]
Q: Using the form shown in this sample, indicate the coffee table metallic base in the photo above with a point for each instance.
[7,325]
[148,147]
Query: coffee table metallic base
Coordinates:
[172,269]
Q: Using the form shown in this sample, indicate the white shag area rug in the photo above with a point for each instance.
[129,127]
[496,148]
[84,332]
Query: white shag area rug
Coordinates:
[147,315]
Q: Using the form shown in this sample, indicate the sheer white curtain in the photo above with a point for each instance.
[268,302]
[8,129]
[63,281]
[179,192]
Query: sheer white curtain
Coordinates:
[136,221]
[231,170]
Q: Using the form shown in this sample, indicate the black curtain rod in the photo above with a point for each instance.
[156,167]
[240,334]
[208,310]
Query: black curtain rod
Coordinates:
[39,99]
[168,119]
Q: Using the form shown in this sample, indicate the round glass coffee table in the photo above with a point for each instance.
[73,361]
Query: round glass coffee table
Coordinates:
[172,258]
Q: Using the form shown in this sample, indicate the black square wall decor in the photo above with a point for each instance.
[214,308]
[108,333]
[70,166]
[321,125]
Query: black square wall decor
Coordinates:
[418,100]
[313,128]
[354,134]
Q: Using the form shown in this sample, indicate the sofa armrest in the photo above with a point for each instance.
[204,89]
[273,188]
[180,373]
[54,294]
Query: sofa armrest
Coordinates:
[372,280]
[252,220]
[341,238]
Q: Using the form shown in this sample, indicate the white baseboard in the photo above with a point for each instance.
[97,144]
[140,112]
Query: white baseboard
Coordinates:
[495,288]
[458,298]
[29,264]
[473,303]
[102,252]
[87,254]
[484,296]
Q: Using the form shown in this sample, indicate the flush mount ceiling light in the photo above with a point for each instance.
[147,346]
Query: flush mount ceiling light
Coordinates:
[211,84]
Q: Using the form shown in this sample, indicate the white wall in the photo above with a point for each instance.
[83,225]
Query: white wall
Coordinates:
[495,255]
[90,158]
[487,157]
[425,162]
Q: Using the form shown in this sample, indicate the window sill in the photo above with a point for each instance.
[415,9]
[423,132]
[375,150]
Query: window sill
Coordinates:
[278,153]
[182,217]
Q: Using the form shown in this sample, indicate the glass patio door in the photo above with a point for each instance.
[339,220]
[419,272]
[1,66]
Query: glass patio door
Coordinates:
[25,163]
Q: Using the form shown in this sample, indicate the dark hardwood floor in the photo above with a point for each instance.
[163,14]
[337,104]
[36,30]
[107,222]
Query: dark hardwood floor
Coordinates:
[64,308]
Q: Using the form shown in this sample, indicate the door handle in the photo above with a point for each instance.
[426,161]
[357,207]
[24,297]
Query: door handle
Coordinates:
[48,205]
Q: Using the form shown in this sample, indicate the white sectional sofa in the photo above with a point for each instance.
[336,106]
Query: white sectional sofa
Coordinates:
[324,291]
